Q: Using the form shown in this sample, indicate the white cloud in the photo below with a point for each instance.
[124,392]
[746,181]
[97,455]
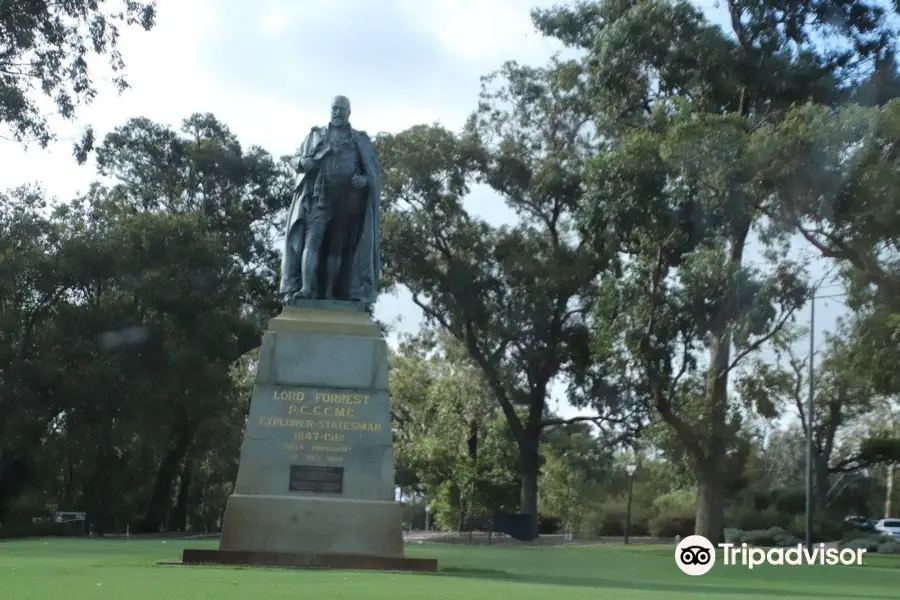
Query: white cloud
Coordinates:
[278,16]
[484,32]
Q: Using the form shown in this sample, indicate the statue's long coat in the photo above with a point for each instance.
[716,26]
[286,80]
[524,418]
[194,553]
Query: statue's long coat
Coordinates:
[365,272]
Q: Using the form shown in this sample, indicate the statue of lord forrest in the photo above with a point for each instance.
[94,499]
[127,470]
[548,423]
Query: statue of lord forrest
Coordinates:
[333,233]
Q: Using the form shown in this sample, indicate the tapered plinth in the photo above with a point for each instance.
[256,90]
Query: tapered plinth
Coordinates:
[316,476]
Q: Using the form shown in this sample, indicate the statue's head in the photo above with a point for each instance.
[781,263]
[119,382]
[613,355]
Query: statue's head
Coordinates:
[340,110]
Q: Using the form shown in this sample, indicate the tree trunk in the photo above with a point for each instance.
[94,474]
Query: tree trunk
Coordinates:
[15,473]
[530,471]
[711,454]
[160,498]
[889,491]
[710,505]
[97,489]
[179,515]
[69,462]
[472,440]
[455,501]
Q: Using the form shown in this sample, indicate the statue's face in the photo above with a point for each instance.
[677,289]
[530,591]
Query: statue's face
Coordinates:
[340,109]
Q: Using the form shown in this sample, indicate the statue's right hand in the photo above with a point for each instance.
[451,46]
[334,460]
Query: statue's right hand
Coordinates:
[307,164]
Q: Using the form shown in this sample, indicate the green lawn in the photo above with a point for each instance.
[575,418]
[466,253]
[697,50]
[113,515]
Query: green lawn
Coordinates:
[128,570]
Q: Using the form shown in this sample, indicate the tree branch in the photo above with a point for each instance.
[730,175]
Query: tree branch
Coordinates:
[596,420]
[467,336]
[757,343]
[836,248]
[849,465]
[686,350]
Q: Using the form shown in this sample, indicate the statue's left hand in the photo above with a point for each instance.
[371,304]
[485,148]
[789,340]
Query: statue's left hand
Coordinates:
[359,181]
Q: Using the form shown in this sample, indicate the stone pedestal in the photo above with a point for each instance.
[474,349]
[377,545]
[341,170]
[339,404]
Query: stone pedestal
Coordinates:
[316,477]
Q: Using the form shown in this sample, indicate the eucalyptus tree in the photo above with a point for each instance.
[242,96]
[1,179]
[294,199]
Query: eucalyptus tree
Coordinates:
[517,298]
[686,108]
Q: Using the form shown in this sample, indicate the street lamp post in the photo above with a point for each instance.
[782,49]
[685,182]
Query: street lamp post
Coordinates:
[810,465]
[630,469]
[427,517]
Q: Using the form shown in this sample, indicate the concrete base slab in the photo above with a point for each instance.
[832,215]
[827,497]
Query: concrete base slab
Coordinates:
[307,560]
[305,524]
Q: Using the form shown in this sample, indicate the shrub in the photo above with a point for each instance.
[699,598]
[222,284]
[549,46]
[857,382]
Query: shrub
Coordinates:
[748,518]
[608,519]
[881,544]
[824,530]
[888,547]
[25,529]
[445,507]
[666,525]
[789,501]
[414,515]
[829,530]
[675,514]
[773,536]
[549,525]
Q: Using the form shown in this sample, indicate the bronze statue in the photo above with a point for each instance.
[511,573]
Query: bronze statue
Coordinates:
[333,233]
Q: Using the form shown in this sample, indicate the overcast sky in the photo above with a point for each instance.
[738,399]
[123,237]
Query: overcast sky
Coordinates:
[269,68]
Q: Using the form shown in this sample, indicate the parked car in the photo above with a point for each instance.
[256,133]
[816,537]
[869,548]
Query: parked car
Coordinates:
[888,527]
[861,523]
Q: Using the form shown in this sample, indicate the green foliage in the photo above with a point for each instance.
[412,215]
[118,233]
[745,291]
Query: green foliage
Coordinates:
[832,176]
[47,49]
[674,514]
[688,111]
[748,518]
[610,517]
[446,507]
[516,298]
[450,437]
[881,544]
[764,537]
[825,529]
[762,387]
[761,505]
[672,46]
[875,348]
[677,235]
[19,527]
[129,315]
[843,442]
[574,476]
[880,448]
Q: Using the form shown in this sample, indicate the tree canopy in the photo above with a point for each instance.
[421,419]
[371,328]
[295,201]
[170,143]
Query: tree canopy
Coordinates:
[45,51]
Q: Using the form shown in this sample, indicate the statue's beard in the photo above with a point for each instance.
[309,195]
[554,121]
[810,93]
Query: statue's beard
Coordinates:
[339,121]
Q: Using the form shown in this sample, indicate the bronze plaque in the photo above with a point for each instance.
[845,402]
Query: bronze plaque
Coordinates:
[320,480]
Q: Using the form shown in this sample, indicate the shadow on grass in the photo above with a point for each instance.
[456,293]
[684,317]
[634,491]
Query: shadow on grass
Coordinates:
[647,586]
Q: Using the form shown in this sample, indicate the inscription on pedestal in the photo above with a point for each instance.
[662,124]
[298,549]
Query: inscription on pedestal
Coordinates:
[315,426]
[319,480]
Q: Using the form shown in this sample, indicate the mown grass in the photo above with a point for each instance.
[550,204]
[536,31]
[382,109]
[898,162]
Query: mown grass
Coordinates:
[129,570]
